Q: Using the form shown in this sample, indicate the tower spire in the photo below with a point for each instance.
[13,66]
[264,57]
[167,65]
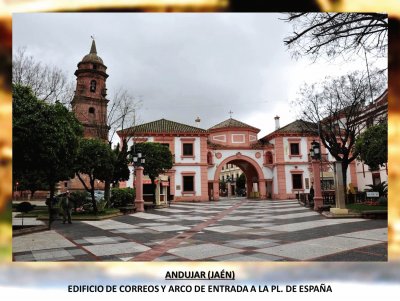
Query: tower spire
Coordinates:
[93,48]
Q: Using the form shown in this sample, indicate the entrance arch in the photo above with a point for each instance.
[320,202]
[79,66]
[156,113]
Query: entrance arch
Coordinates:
[250,168]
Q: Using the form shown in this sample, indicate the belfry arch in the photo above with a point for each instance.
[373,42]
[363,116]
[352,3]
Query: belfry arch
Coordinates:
[250,168]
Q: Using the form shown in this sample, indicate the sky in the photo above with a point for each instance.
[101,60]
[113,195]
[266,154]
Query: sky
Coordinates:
[184,66]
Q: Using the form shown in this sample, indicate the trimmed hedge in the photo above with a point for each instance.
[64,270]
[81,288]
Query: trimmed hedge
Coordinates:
[122,197]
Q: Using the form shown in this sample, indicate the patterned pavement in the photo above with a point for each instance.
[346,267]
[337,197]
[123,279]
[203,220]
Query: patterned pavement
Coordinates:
[229,230]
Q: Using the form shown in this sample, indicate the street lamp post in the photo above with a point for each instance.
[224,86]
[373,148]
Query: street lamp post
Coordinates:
[138,161]
[315,154]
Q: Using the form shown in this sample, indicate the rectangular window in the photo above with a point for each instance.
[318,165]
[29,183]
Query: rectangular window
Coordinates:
[376,178]
[188,183]
[187,149]
[297,181]
[294,149]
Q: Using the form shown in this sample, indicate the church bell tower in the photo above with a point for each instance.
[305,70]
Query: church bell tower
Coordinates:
[90,103]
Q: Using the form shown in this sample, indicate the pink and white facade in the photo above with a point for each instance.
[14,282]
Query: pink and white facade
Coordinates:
[188,177]
[276,166]
[375,113]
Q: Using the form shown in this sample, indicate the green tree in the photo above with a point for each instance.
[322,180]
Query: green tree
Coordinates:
[371,146]
[222,185]
[32,181]
[158,160]
[96,160]
[121,114]
[45,140]
[241,182]
[121,171]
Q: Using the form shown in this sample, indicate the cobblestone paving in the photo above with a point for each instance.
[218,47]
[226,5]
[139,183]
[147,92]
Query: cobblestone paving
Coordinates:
[229,230]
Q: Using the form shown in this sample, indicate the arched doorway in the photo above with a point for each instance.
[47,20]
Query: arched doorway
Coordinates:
[253,172]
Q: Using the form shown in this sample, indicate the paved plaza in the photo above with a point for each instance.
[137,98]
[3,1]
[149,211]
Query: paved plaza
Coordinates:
[228,230]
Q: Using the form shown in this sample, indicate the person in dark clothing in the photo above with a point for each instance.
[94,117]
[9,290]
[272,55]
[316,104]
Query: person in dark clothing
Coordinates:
[312,192]
[66,207]
[311,196]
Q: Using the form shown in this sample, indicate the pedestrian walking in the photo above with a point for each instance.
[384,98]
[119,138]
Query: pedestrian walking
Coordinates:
[66,206]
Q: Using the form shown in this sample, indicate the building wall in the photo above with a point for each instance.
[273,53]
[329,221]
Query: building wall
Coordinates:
[138,140]
[364,177]
[129,183]
[179,172]
[279,171]
[275,183]
[303,146]
[231,171]
[238,138]
[196,150]
[196,165]
[302,169]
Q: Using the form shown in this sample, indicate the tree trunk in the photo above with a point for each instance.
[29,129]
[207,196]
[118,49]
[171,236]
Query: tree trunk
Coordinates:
[52,191]
[94,203]
[345,165]
[107,190]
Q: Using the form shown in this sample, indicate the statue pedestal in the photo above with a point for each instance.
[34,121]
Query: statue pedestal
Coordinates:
[339,211]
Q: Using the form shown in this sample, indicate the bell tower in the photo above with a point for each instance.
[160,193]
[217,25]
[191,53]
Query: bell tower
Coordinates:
[90,103]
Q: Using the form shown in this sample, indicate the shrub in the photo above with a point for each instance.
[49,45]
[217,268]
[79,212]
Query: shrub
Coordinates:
[101,205]
[122,197]
[382,188]
[382,201]
[25,207]
[78,198]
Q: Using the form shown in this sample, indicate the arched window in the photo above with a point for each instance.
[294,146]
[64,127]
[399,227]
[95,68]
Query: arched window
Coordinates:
[93,86]
[268,158]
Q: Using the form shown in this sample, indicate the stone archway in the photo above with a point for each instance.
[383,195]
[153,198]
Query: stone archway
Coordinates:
[250,168]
